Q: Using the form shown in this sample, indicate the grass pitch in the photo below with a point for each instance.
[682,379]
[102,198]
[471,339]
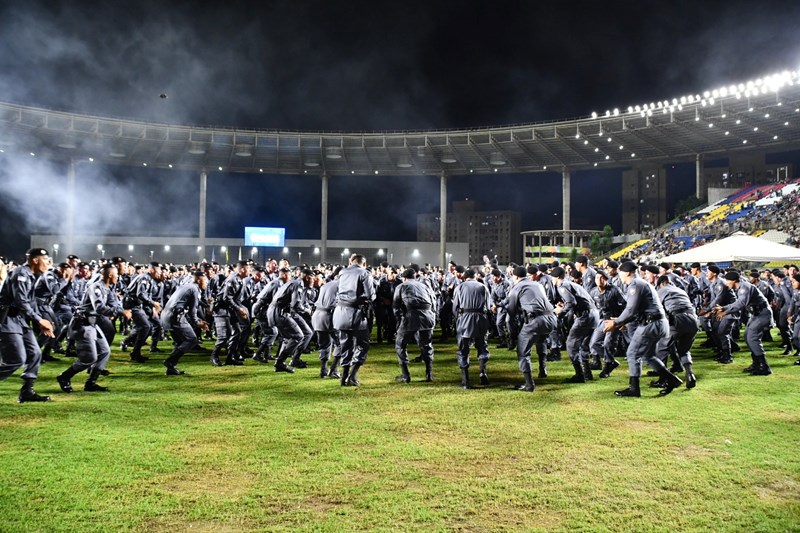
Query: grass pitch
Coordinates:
[244,448]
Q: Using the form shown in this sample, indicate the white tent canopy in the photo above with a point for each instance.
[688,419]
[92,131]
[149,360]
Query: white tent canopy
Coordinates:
[737,247]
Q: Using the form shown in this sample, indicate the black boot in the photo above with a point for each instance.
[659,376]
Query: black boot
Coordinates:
[91,383]
[670,381]
[215,358]
[587,371]
[64,379]
[596,364]
[428,370]
[608,368]
[405,376]
[465,378]
[484,377]
[46,357]
[632,390]
[27,394]
[345,376]
[752,366]
[528,386]
[542,366]
[334,371]
[233,360]
[171,362]
[323,368]
[691,379]
[298,363]
[281,366]
[761,367]
[578,377]
[787,351]
[137,357]
[352,381]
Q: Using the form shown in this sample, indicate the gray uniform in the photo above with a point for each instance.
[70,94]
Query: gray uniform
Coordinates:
[610,304]
[268,331]
[281,315]
[322,321]
[18,347]
[179,317]
[470,306]
[528,301]
[139,300]
[90,343]
[414,305]
[682,324]
[577,300]
[356,293]
[643,304]
[749,297]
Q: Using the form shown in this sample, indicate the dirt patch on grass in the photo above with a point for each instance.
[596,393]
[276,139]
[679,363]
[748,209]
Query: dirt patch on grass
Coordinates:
[493,518]
[219,483]
[171,524]
[783,489]
[691,451]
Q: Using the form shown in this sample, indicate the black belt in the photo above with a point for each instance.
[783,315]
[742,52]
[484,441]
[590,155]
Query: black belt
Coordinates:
[647,319]
[348,304]
[757,310]
[471,310]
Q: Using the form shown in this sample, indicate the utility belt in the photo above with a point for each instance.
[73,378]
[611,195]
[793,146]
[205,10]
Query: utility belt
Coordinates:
[348,304]
[756,310]
[418,307]
[648,319]
[80,320]
[471,310]
[530,316]
[671,316]
[581,313]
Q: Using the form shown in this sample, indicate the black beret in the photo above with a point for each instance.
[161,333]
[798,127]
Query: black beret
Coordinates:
[409,273]
[520,272]
[285,269]
[72,256]
[796,277]
[468,273]
[603,273]
[118,259]
[662,279]
[754,274]
[155,264]
[532,269]
[613,264]
[496,272]
[543,268]
[384,264]
[732,275]
[628,266]
[652,269]
[555,263]
[62,266]
[713,268]
[198,273]
[557,272]
[173,268]
[694,265]
[308,272]
[108,266]
[258,268]
[460,269]
[414,267]
[36,252]
[665,266]
[242,263]
[779,274]
[786,266]
[582,259]
[575,274]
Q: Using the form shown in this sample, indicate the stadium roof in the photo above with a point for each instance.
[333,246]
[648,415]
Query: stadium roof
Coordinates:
[760,114]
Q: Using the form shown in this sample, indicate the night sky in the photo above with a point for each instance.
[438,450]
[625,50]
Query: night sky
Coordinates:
[362,65]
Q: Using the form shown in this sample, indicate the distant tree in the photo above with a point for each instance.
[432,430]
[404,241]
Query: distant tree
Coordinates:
[687,204]
[601,242]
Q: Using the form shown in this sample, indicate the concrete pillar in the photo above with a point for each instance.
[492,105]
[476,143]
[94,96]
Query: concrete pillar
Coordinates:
[701,189]
[202,225]
[443,220]
[565,200]
[323,232]
[70,244]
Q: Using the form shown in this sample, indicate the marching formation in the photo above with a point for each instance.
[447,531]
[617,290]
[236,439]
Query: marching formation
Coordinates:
[271,314]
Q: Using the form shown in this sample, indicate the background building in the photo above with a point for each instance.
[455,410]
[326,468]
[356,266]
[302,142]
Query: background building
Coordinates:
[490,233]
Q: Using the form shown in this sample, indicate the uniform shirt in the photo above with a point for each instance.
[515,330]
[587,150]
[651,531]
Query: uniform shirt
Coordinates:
[588,279]
[98,300]
[674,300]
[356,288]
[47,286]
[641,301]
[499,293]
[471,296]
[17,296]
[610,301]
[265,297]
[546,281]
[231,294]
[747,297]
[142,288]
[322,319]
[576,299]
[185,300]
[414,305]
[528,296]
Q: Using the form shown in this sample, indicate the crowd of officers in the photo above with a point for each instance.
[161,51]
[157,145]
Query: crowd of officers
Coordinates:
[273,313]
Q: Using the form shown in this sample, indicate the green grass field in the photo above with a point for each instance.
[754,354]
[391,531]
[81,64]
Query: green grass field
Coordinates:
[244,448]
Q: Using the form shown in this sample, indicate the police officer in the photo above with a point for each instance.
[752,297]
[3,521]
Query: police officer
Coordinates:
[528,301]
[139,299]
[643,304]
[682,329]
[322,321]
[470,307]
[499,288]
[268,331]
[90,342]
[575,301]
[353,300]
[18,347]
[413,305]
[230,316]
[179,317]
[282,315]
[750,298]
[610,303]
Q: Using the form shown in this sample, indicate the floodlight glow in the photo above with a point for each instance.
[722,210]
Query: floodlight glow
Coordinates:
[744,141]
